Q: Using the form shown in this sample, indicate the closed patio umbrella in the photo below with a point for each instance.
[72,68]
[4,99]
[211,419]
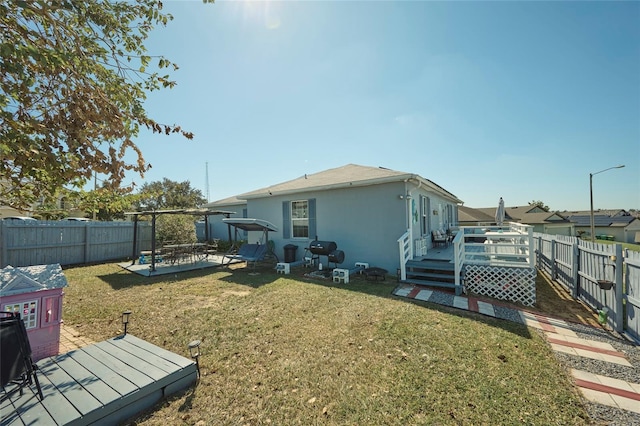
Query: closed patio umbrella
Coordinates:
[500,212]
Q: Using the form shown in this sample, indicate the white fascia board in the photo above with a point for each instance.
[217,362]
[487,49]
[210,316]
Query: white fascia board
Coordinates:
[266,192]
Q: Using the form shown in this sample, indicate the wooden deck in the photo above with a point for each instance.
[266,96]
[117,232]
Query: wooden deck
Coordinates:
[101,384]
[439,253]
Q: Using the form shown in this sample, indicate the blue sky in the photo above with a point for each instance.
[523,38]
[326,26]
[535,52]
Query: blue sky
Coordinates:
[487,99]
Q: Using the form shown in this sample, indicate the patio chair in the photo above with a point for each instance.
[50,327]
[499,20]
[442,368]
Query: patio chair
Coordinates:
[17,369]
[438,238]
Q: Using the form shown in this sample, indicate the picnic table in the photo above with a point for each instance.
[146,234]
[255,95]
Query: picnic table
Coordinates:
[189,252]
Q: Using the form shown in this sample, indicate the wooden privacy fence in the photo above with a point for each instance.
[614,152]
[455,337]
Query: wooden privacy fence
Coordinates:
[26,243]
[604,276]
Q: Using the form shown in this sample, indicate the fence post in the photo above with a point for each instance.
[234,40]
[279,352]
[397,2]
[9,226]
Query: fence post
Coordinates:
[618,322]
[575,267]
[552,258]
[87,242]
[3,245]
[532,254]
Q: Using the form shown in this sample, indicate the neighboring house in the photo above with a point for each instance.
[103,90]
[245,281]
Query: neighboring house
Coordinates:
[217,229]
[37,209]
[364,210]
[542,221]
[468,216]
[632,232]
[614,223]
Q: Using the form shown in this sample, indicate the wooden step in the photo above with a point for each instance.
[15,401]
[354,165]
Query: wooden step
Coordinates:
[430,264]
[431,275]
[429,283]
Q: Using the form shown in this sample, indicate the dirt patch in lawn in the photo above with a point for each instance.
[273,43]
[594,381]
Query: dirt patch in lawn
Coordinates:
[554,301]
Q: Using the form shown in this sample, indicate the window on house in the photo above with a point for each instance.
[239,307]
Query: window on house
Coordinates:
[425,208]
[300,219]
[28,312]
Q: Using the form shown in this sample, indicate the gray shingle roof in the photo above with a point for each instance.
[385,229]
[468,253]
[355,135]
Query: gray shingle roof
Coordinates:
[346,176]
[468,214]
[521,214]
[601,220]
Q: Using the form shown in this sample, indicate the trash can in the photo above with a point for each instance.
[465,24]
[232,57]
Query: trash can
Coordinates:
[290,253]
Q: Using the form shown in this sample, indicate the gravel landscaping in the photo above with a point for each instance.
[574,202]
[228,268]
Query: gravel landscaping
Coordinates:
[602,414]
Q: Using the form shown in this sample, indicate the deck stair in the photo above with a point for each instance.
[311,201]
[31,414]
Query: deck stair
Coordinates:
[433,273]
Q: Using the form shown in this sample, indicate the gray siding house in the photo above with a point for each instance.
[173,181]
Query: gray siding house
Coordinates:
[218,229]
[542,221]
[364,210]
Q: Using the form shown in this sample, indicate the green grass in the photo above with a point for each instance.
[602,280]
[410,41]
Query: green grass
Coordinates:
[288,350]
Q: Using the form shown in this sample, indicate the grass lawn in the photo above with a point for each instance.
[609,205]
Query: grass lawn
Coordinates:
[290,350]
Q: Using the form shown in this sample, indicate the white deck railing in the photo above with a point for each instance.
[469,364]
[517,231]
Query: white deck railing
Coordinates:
[498,261]
[509,245]
[406,253]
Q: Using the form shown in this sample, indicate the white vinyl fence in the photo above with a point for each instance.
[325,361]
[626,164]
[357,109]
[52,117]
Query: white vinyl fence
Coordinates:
[26,243]
[604,276]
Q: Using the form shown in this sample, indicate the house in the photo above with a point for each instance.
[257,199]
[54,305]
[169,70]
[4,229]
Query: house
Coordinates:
[468,216]
[542,221]
[217,229]
[364,210]
[36,293]
[632,232]
[618,225]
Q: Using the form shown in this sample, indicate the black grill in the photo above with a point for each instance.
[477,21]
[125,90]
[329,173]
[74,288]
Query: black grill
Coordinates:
[323,248]
[336,256]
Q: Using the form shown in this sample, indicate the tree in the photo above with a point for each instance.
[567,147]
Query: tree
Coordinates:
[106,203]
[73,78]
[169,194]
[176,229]
[540,204]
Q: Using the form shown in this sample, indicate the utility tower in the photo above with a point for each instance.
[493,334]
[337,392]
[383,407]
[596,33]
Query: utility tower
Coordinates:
[206,183]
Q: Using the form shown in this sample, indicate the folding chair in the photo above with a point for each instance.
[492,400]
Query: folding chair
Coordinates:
[17,369]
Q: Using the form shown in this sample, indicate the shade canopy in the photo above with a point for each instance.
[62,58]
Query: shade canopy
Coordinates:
[250,224]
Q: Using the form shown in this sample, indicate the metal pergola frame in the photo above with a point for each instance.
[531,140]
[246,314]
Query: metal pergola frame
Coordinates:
[154,215]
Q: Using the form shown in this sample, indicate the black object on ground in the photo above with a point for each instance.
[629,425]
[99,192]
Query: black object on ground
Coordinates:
[375,273]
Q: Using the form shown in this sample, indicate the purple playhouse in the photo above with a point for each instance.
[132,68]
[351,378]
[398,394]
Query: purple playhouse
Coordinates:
[36,293]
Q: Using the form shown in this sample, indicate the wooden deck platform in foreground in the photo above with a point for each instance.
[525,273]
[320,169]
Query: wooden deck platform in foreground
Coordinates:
[103,384]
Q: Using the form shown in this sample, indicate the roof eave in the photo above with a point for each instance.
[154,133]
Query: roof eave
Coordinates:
[268,192]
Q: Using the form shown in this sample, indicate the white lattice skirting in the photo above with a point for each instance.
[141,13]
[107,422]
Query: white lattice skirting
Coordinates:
[504,283]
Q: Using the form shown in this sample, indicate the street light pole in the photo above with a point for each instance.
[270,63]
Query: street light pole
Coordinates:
[593,228]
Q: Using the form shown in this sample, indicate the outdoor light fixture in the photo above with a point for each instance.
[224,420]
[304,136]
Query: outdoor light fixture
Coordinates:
[593,228]
[194,351]
[125,320]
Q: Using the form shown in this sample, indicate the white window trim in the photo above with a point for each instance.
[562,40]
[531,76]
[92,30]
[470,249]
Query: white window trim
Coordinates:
[294,219]
[31,319]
